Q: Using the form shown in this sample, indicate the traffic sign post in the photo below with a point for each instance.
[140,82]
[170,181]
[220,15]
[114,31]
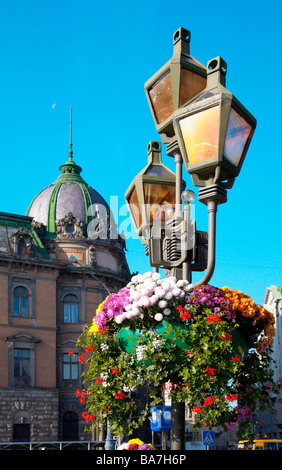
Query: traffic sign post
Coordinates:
[208,438]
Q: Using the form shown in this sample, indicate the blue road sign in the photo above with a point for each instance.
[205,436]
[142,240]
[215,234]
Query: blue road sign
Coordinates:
[208,438]
[160,418]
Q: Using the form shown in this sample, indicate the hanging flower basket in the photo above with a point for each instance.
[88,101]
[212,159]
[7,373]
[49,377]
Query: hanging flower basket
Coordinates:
[128,338]
[210,348]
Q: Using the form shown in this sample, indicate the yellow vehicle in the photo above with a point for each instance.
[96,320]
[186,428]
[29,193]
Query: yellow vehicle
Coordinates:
[261,444]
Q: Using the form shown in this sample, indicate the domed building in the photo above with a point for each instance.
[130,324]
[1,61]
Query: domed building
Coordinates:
[58,262]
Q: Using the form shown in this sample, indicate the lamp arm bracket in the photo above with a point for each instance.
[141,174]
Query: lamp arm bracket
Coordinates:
[212,209]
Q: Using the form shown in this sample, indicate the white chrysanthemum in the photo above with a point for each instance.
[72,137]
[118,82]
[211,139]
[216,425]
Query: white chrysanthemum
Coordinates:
[160,292]
[162,304]
[168,295]
[158,317]
[167,311]
[156,276]
[154,299]
[147,275]
[176,291]
[119,319]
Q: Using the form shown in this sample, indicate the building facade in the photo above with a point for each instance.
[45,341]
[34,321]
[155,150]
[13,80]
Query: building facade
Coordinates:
[47,298]
[269,425]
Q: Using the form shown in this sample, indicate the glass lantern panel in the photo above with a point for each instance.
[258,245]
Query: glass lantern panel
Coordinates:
[238,132]
[200,133]
[158,198]
[161,97]
[135,208]
[191,84]
[159,170]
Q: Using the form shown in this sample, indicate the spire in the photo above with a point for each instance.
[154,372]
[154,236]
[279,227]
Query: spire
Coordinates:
[70,144]
[70,171]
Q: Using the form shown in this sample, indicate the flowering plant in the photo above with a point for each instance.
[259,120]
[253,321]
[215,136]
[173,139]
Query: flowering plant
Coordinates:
[210,348]
[135,444]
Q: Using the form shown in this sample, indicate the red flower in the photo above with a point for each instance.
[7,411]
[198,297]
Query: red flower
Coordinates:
[184,315]
[227,336]
[88,417]
[119,395]
[132,447]
[232,397]
[70,352]
[197,409]
[210,370]
[168,386]
[114,371]
[212,318]
[89,348]
[99,381]
[81,358]
[209,400]
[236,358]
[103,329]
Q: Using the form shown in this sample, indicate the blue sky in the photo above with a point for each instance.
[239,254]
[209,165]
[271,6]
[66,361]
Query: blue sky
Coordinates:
[95,57]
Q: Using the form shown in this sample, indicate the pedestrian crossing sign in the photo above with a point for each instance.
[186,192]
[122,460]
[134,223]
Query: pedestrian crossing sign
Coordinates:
[209,438]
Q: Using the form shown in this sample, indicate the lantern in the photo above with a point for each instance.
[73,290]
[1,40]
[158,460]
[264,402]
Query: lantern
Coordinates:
[177,82]
[152,192]
[214,131]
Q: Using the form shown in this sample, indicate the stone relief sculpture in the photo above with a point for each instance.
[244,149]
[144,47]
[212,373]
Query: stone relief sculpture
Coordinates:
[70,227]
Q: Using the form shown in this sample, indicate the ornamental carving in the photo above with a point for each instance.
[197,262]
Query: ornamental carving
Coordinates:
[21,243]
[70,227]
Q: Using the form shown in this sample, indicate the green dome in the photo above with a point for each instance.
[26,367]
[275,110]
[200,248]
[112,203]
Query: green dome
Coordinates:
[69,193]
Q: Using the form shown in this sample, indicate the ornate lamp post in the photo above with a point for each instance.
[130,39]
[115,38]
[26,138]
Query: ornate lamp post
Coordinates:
[209,130]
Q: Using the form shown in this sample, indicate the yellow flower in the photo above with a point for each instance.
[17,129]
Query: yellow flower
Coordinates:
[135,441]
[94,329]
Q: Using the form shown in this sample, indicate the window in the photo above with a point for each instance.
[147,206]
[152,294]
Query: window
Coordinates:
[21,432]
[70,309]
[70,367]
[22,248]
[20,302]
[22,367]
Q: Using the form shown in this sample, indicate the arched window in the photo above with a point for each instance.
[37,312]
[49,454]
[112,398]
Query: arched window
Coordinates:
[20,302]
[70,309]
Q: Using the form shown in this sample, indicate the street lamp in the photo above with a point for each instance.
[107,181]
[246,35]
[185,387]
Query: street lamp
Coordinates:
[214,131]
[209,130]
[178,81]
